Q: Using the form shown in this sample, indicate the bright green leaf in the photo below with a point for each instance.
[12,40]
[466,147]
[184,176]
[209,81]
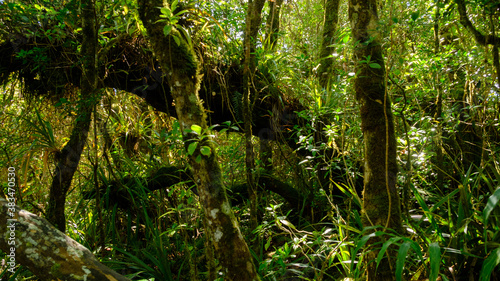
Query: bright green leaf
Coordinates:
[196,129]
[375,65]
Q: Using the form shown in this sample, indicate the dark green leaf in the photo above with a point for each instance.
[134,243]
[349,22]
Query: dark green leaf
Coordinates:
[400,262]
[492,203]
[489,265]
[435,260]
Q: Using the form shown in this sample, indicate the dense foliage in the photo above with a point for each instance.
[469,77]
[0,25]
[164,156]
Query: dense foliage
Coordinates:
[148,224]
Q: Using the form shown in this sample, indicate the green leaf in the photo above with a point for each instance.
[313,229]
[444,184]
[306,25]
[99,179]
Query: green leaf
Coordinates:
[287,223]
[385,246]
[400,262]
[435,260]
[177,40]
[346,38]
[192,147]
[375,65]
[489,264]
[173,6]
[415,15]
[167,13]
[167,29]
[268,243]
[206,150]
[196,129]
[198,158]
[492,203]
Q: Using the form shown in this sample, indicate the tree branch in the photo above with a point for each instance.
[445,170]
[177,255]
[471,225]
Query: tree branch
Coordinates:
[48,253]
[465,21]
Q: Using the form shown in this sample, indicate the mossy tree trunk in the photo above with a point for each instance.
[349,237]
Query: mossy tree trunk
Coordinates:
[381,205]
[325,70]
[69,157]
[182,73]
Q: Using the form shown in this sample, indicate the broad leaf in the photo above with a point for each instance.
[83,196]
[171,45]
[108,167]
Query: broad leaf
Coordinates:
[196,129]
[205,150]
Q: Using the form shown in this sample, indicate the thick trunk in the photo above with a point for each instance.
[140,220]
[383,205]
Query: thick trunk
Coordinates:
[182,74]
[49,254]
[70,155]
[380,196]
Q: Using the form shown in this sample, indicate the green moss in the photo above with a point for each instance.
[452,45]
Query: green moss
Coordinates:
[54,269]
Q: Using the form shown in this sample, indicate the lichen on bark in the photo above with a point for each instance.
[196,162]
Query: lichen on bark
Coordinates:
[181,65]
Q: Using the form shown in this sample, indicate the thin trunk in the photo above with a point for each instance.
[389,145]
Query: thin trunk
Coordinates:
[325,70]
[381,206]
[253,21]
[439,107]
[273,24]
[182,73]
[70,155]
[496,60]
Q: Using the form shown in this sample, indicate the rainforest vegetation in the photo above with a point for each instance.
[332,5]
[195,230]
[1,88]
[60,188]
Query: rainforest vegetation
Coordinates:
[250,140]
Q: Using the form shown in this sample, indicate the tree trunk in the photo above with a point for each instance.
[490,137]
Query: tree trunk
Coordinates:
[325,70]
[273,24]
[380,196]
[49,254]
[253,21]
[181,65]
[70,155]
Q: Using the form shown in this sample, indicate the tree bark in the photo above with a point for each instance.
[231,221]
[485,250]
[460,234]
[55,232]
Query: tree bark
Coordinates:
[70,155]
[180,63]
[49,254]
[325,70]
[273,24]
[253,20]
[381,206]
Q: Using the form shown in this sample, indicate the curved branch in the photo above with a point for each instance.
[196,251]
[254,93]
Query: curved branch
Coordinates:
[465,21]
